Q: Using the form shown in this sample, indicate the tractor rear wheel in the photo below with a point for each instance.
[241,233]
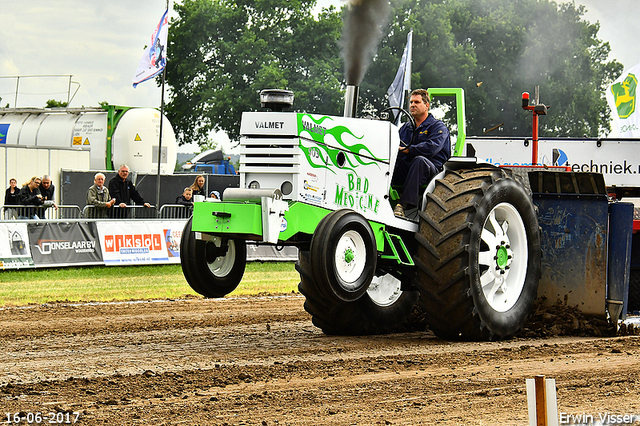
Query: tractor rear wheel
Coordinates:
[478,255]
[212,268]
[383,308]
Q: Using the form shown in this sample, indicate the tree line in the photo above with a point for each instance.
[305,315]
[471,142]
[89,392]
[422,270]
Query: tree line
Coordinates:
[223,52]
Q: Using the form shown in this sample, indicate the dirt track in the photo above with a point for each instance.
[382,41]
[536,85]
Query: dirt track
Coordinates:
[260,361]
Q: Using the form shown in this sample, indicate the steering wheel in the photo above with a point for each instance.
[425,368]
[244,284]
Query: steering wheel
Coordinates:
[409,116]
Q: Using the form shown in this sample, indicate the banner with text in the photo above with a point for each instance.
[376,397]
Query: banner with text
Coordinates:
[71,243]
[32,244]
[135,242]
[15,252]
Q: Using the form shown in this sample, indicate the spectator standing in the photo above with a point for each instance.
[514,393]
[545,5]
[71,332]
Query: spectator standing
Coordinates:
[198,186]
[123,190]
[11,198]
[186,198]
[47,189]
[30,196]
[99,197]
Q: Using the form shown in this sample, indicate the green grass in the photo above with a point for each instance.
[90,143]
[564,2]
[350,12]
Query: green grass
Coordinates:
[102,283]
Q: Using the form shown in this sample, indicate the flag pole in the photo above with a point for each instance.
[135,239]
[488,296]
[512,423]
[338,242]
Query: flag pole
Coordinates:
[164,73]
[407,76]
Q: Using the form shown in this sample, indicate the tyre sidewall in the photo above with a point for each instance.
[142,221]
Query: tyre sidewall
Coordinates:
[388,314]
[187,250]
[507,323]
[361,317]
[214,285]
[323,251]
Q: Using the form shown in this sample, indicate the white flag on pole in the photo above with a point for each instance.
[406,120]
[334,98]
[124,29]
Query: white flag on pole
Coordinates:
[621,96]
[402,81]
[154,58]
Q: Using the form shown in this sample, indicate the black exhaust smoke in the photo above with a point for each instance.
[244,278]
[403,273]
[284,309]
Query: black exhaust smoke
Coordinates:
[362,31]
[363,26]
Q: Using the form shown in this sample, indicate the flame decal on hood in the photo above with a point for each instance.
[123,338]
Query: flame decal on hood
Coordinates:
[317,130]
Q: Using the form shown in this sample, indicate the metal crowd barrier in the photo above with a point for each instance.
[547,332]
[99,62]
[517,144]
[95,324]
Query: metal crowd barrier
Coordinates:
[117,212]
[168,211]
[175,211]
[40,212]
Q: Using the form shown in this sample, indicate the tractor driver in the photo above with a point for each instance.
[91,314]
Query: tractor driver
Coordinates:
[423,152]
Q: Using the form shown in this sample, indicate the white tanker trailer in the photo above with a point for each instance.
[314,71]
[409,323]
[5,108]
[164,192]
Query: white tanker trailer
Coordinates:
[114,135]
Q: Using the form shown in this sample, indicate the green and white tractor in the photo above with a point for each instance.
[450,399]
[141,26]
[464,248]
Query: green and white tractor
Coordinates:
[469,255]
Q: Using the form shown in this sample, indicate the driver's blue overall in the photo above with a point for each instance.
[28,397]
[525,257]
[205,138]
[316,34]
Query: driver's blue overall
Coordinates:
[427,154]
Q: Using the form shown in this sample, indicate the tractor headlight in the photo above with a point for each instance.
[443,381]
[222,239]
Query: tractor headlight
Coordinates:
[276,99]
[286,188]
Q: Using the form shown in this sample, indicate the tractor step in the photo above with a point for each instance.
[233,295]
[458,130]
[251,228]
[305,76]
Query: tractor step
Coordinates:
[399,250]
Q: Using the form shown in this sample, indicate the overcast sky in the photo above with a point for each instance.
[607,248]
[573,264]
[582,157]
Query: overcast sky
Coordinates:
[100,44]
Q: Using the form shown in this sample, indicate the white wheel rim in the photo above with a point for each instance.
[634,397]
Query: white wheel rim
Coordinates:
[503,261]
[384,290]
[222,265]
[350,259]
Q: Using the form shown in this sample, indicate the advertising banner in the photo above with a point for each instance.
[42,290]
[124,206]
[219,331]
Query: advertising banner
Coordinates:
[617,160]
[59,244]
[138,243]
[15,252]
[115,243]
[621,97]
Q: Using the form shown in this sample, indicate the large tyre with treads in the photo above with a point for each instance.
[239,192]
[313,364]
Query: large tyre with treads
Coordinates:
[478,255]
[380,310]
[212,268]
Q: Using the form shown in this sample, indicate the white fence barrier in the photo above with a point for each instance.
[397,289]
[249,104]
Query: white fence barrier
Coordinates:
[39,243]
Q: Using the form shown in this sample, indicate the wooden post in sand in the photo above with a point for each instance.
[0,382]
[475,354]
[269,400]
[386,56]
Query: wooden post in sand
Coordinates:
[542,402]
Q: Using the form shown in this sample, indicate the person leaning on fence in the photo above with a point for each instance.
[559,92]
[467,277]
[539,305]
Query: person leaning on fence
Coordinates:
[98,196]
[30,196]
[11,198]
[198,186]
[123,190]
[186,198]
[47,189]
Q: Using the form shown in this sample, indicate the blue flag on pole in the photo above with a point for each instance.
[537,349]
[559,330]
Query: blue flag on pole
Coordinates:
[154,58]
[402,81]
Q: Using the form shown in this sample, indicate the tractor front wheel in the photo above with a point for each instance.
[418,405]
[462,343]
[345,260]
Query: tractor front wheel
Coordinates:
[343,255]
[212,268]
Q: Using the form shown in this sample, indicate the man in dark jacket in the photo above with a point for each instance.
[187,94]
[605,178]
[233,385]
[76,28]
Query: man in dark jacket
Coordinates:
[423,152]
[124,191]
[47,189]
